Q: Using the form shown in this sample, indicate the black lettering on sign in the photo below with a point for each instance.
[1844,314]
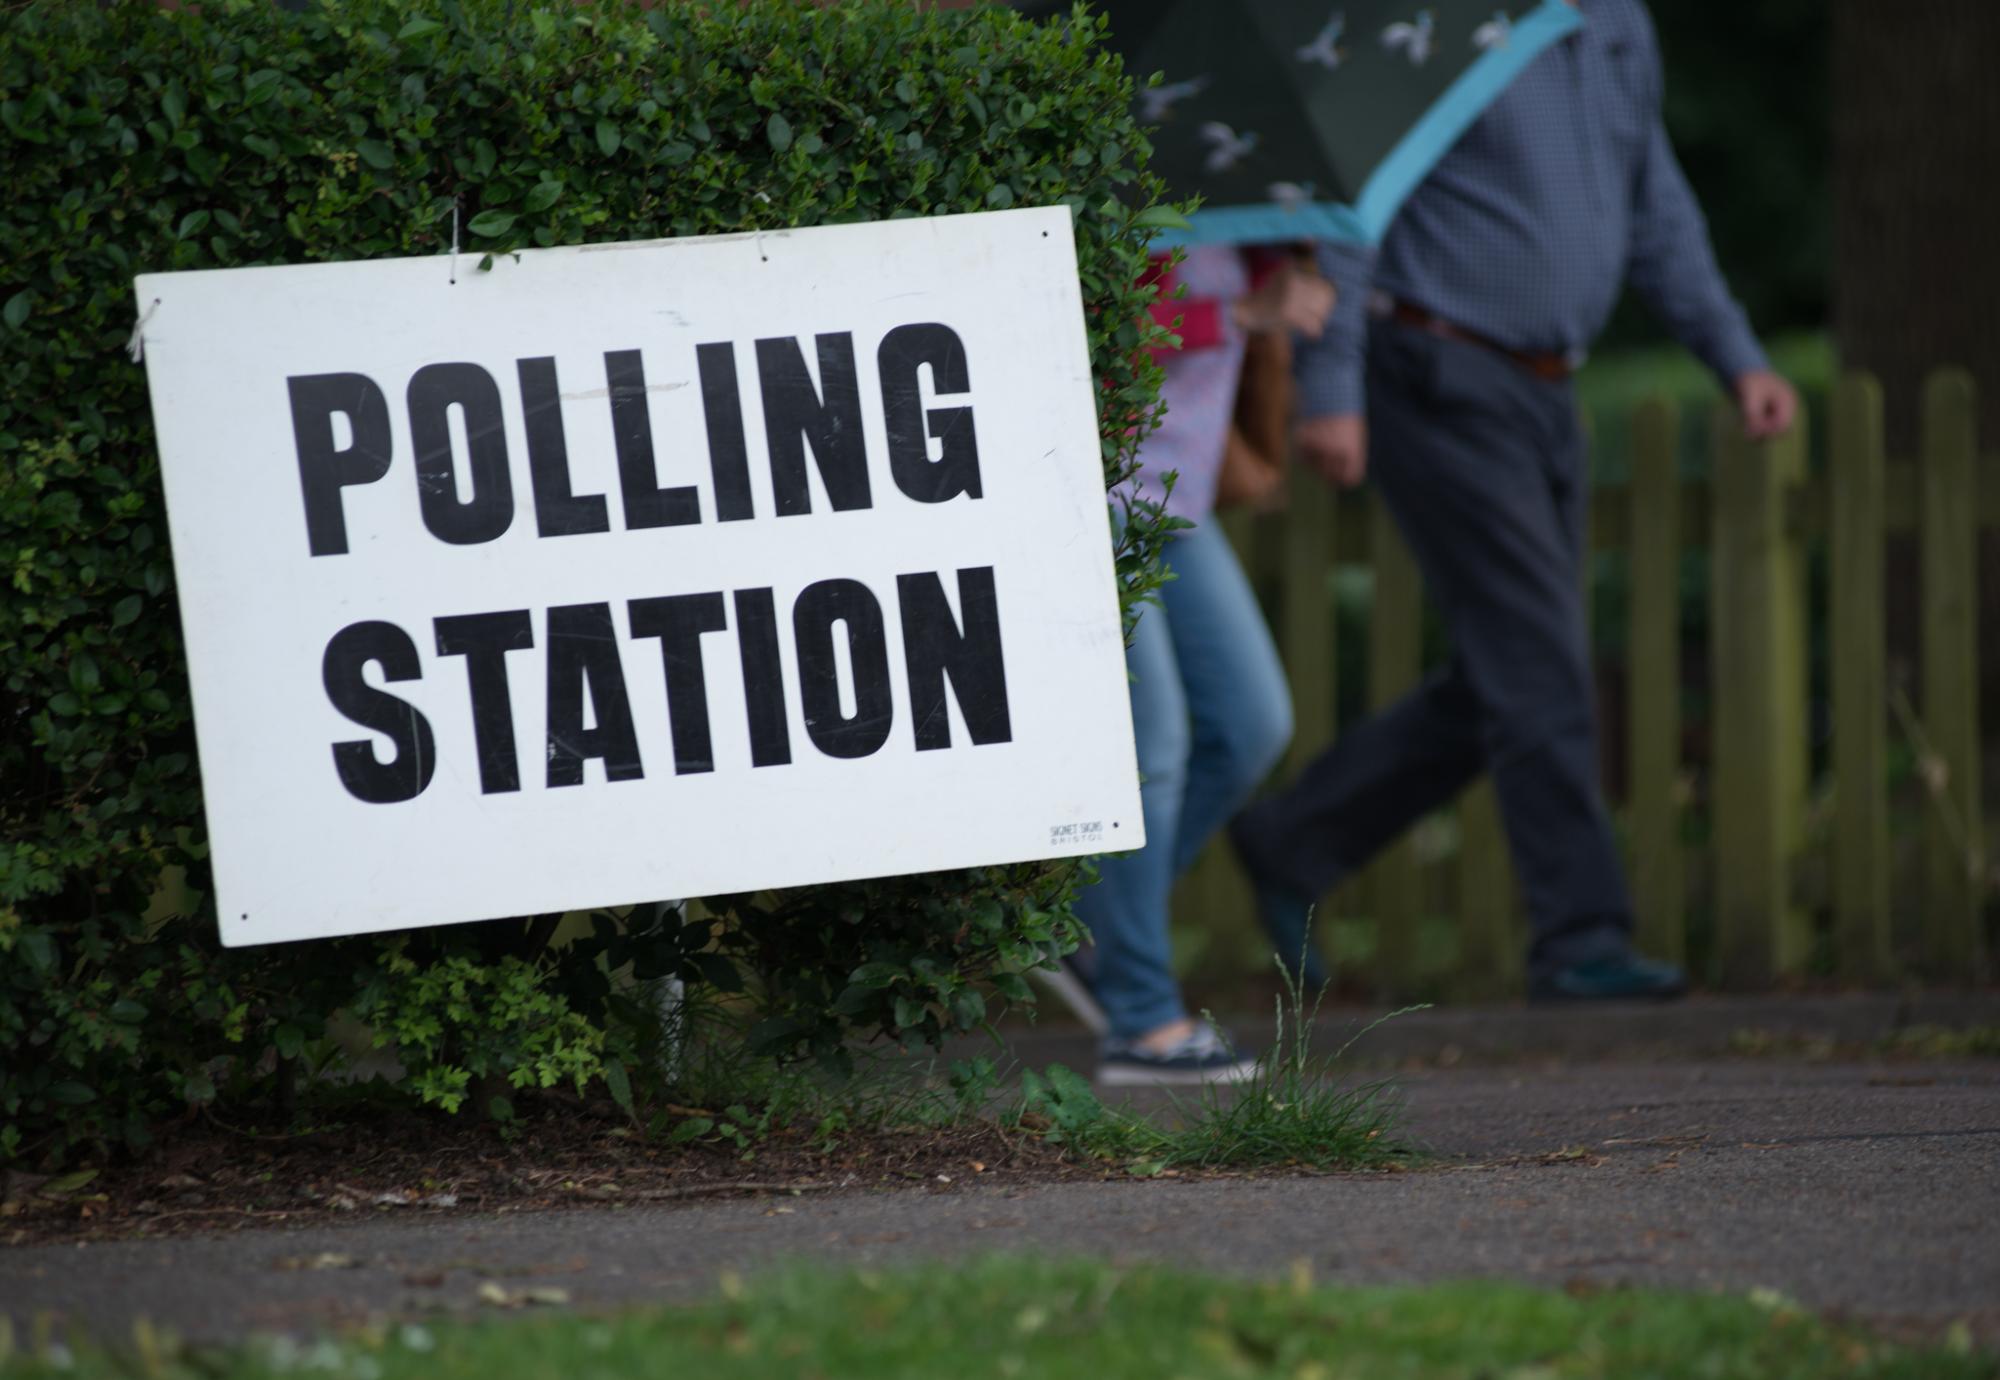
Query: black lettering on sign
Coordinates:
[324,470]
[646,503]
[484,639]
[848,603]
[722,409]
[583,659]
[911,429]
[763,678]
[559,511]
[679,621]
[795,413]
[936,647]
[367,777]
[434,390]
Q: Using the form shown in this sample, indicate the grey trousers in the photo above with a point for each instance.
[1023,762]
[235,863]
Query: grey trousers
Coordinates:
[1483,467]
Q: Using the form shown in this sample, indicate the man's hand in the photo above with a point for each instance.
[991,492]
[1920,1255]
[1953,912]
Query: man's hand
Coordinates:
[1293,300]
[1768,404]
[1335,446]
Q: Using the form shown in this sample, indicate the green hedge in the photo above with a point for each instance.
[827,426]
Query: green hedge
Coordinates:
[142,139]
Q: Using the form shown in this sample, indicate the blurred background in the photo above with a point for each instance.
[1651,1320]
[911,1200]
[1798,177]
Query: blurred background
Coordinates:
[1844,151]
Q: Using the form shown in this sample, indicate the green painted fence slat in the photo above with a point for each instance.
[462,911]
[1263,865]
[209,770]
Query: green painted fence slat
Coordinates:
[1240,526]
[1306,629]
[1954,834]
[1758,632]
[1654,683]
[1490,958]
[1860,861]
[1395,659]
[1902,501]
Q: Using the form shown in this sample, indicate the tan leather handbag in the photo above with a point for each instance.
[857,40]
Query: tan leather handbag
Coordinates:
[1253,461]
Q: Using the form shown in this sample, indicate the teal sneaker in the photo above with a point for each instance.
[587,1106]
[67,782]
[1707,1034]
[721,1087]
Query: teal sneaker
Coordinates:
[1630,977]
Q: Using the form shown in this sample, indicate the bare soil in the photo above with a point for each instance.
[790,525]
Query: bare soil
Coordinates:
[203,1177]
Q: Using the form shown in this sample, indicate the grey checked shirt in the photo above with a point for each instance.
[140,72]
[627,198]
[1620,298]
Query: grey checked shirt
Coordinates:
[1564,189]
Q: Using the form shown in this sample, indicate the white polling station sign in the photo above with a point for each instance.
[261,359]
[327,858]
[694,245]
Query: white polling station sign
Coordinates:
[640,570]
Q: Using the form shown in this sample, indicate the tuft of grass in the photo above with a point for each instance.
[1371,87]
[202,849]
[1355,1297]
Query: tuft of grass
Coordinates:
[1296,1109]
[1080,1320]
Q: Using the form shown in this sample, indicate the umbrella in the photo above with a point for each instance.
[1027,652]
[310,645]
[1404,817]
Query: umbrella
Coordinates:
[1313,119]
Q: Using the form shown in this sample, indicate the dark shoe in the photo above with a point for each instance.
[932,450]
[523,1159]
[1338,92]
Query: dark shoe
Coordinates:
[1285,914]
[1630,978]
[1203,1057]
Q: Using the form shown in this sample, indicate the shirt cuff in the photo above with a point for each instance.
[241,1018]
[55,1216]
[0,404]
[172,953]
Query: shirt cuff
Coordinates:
[1734,354]
[1332,391]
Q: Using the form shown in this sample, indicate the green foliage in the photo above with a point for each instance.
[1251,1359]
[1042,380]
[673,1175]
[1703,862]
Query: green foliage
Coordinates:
[457,1022]
[1062,1107]
[144,139]
[704,1082]
[1747,105]
[910,961]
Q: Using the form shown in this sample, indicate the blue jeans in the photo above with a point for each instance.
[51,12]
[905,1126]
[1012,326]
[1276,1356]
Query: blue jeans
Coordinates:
[1211,715]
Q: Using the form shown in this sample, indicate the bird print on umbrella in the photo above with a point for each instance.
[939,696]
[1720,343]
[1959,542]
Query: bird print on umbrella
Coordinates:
[1226,148]
[1298,119]
[1494,33]
[1325,48]
[1414,39]
[1291,195]
[1156,103]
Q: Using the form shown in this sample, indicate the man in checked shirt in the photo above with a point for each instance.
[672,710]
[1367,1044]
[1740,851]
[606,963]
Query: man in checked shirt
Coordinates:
[1446,375]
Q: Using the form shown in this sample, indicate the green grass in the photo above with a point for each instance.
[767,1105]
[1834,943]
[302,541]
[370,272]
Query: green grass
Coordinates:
[1917,1042]
[1082,1321]
[1298,1109]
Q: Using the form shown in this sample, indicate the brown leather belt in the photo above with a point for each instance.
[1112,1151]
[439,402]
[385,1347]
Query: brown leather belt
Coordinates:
[1543,364]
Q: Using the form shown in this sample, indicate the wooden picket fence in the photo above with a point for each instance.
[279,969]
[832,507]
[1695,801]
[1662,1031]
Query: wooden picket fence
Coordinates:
[1798,875]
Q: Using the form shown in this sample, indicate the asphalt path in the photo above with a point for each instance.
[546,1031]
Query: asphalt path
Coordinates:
[1865,1189]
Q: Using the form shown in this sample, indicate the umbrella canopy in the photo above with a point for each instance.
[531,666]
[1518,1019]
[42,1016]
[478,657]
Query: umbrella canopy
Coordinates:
[1298,119]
